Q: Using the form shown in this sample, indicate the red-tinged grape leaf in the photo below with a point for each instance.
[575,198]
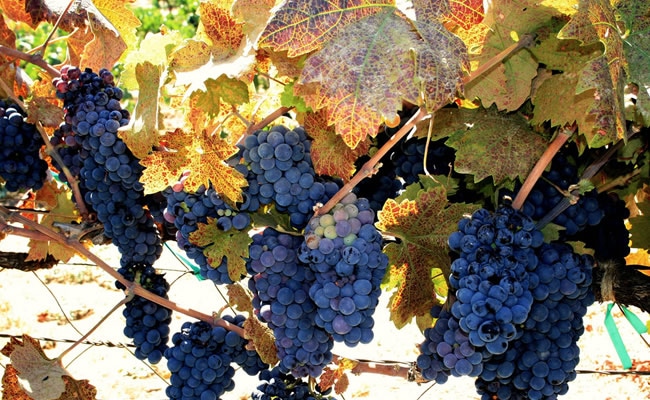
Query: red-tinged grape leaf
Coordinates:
[363,75]
[65,211]
[7,64]
[428,10]
[342,384]
[221,28]
[217,244]
[15,10]
[555,100]
[496,145]
[331,376]
[640,231]
[104,50]
[41,110]
[164,167]
[40,377]
[11,389]
[330,155]
[46,197]
[240,298]
[146,118]
[423,225]
[229,90]
[595,22]
[302,26]
[466,13]
[262,339]
[155,49]
[636,16]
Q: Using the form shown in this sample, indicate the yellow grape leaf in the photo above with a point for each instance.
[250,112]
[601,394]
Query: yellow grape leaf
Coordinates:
[466,13]
[262,339]
[423,225]
[40,377]
[155,48]
[300,26]
[7,64]
[203,156]
[362,76]
[122,18]
[240,298]
[15,10]
[64,212]
[146,118]
[191,55]
[329,154]
[223,31]
[230,90]
[595,22]
[104,50]
[253,14]
[46,197]
[232,244]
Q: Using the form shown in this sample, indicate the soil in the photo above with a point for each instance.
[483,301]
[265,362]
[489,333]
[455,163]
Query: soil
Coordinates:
[34,303]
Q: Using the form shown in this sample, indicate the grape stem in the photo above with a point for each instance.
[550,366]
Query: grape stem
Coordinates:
[132,287]
[267,120]
[35,59]
[541,165]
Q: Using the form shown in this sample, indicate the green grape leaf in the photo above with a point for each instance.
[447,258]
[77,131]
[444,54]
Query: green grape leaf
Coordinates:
[570,108]
[146,118]
[493,144]
[229,90]
[640,231]
[217,244]
[262,339]
[636,16]
[329,154]
[289,99]
[300,26]
[362,76]
[423,225]
[240,298]
[595,22]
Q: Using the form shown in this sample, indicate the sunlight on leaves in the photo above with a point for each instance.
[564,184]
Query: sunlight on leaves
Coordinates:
[262,339]
[232,244]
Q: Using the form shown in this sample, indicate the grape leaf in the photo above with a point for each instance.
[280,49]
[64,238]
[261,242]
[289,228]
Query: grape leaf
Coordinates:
[40,377]
[640,231]
[332,376]
[232,244]
[64,212]
[202,155]
[15,10]
[223,31]
[289,99]
[263,340]
[41,110]
[122,18]
[595,21]
[155,49]
[330,155]
[636,16]
[11,389]
[556,100]
[240,298]
[431,10]
[494,145]
[362,75]
[230,90]
[146,118]
[423,225]
[7,68]
[465,13]
[302,26]
[254,14]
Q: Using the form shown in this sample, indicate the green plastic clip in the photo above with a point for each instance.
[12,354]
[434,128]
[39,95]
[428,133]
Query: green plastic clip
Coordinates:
[615,336]
[195,268]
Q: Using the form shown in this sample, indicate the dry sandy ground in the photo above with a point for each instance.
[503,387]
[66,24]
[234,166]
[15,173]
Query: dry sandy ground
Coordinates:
[88,293]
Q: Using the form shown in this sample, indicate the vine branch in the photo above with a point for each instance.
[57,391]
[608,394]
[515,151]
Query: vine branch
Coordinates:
[35,59]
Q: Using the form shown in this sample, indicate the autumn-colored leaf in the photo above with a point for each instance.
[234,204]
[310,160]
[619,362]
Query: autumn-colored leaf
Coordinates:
[556,100]
[229,90]
[46,197]
[38,376]
[155,49]
[302,26]
[492,144]
[427,10]
[423,225]
[465,13]
[240,298]
[263,340]
[41,110]
[362,75]
[232,244]
[15,10]
[329,154]
[640,231]
[11,389]
[122,18]
[332,376]
[342,384]
[203,156]
[7,64]
[223,31]
[253,14]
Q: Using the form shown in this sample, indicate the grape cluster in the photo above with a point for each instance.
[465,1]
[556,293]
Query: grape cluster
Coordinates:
[343,249]
[380,186]
[545,195]
[276,385]
[20,163]
[280,284]
[147,323]
[408,159]
[541,362]
[109,172]
[279,170]
[200,362]
[185,210]
[248,360]
[491,278]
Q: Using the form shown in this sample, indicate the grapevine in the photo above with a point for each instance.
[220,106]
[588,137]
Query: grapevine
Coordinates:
[481,169]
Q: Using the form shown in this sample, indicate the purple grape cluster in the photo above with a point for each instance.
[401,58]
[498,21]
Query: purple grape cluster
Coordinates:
[109,172]
[343,249]
[408,159]
[185,210]
[279,170]
[276,385]
[20,163]
[280,284]
[147,323]
[248,360]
